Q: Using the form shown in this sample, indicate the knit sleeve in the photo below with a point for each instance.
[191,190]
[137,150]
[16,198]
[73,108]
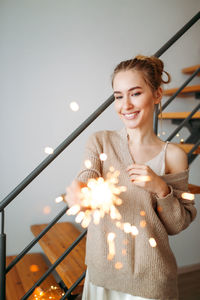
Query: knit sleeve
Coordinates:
[91,164]
[175,212]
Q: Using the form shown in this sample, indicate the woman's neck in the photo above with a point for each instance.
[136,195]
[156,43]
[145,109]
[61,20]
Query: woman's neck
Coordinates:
[141,137]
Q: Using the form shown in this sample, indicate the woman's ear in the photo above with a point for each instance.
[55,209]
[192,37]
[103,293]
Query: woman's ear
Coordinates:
[158,95]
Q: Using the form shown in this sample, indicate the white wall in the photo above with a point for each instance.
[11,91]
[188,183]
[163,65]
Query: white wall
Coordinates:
[55,52]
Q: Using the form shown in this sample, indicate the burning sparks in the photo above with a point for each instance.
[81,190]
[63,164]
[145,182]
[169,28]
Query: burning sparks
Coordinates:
[74,106]
[127,227]
[187,196]
[99,197]
[111,245]
[152,242]
[88,164]
[134,230]
[48,150]
[103,156]
[73,210]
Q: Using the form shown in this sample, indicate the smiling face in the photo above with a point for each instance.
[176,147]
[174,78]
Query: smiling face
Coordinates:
[134,99]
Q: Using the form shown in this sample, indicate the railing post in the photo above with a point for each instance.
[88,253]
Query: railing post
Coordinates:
[155,120]
[2,260]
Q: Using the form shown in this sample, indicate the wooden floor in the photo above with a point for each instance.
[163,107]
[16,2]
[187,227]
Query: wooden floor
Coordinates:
[189,286]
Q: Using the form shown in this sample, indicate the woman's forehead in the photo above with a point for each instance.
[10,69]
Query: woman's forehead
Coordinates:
[125,80]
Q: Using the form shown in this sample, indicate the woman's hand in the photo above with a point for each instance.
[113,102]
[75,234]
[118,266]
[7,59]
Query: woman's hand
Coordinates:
[143,176]
[73,193]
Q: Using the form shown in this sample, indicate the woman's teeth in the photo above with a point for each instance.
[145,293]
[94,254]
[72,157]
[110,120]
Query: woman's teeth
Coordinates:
[131,116]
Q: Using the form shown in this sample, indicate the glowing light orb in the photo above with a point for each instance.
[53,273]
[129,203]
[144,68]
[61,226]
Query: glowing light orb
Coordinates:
[124,252]
[47,210]
[143,223]
[163,133]
[178,134]
[103,156]
[59,199]
[143,178]
[118,265]
[134,230]
[182,141]
[142,213]
[34,268]
[74,106]
[48,150]
[152,242]
[88,164]
[127,227]
[188,196]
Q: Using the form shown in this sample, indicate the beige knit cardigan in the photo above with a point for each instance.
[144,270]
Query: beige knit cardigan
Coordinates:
[149,272]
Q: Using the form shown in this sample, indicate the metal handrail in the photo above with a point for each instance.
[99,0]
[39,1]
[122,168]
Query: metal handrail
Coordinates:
[47,161]
[178,91]
[193,149]
[183,123]
[54,265]
[56,152]
[35,240]
[73,286]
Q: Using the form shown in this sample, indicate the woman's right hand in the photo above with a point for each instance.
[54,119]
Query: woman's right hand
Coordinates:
[73,193]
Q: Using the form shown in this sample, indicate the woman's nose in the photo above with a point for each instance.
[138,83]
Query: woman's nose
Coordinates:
[127,102]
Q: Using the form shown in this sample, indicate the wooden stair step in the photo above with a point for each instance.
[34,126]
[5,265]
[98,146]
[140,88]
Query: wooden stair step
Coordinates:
[178,115]
[194,189]
[188,147]
[187,90]
[190,70]
[24,274]
[55,242]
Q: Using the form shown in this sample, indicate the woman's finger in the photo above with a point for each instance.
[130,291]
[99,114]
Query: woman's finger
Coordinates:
[136,166]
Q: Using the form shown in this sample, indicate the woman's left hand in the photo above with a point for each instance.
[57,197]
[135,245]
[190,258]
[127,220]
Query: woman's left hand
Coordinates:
[145,177]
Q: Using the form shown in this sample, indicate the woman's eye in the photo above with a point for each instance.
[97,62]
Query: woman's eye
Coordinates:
[136,94]
[118,97]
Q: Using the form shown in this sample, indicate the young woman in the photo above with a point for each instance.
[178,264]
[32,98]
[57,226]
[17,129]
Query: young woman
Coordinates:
[139,269]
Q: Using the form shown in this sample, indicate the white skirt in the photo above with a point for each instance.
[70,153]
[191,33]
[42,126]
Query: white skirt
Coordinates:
[93,292]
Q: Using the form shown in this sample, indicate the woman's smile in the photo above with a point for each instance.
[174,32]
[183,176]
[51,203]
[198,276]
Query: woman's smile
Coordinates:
[130,116]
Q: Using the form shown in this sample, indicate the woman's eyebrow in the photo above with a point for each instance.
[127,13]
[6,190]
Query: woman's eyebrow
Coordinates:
[131,89]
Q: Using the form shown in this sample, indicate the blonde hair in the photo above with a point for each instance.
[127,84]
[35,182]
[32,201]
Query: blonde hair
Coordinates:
[151,67]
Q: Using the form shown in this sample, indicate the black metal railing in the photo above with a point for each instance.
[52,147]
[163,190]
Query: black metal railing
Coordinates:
[5,202]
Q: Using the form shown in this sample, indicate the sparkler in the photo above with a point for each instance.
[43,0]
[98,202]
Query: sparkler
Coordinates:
[98,198]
